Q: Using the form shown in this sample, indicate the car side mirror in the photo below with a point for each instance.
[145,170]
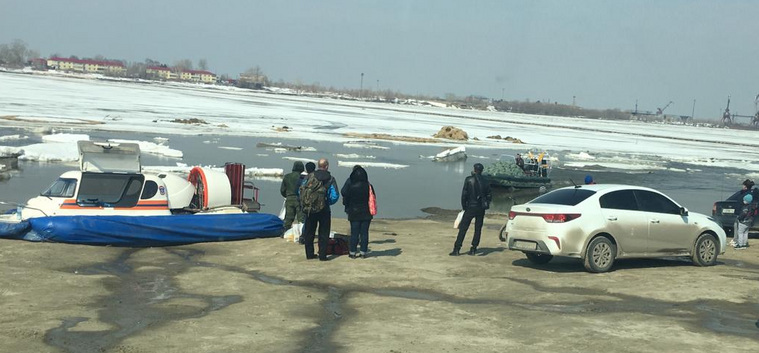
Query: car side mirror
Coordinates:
[683,211]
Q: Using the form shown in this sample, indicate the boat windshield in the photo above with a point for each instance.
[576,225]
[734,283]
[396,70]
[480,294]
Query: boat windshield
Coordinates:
[63,187]
[112,190]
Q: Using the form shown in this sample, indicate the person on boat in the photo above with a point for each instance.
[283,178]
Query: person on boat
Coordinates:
[289,190]
[310,167]
[355,192]
[475,199]
[321,219]
[520,162]
[589,180]
[544,167]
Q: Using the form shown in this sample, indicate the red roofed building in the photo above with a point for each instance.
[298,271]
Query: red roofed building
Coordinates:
[87,66]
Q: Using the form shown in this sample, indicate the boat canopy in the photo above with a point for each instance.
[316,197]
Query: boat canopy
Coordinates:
[108,157]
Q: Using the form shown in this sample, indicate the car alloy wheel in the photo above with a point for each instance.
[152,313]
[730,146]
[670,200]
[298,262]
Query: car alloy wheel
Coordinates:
[705,252]
[599,257]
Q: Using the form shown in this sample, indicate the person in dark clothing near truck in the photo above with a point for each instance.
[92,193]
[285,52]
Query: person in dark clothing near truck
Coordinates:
[320,219]
[289,190]
[355,194]
[475,199]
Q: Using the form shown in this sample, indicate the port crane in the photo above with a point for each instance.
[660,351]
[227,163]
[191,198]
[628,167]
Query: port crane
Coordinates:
[729,118]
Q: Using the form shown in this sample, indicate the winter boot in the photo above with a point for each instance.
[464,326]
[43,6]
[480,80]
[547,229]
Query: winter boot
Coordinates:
[472,250]
[455,252]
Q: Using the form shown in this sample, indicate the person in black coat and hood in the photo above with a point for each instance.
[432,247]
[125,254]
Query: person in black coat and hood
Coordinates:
[356,200]
[475,199]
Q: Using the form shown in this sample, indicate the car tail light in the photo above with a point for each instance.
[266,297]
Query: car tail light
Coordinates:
[560,217]
[548,217]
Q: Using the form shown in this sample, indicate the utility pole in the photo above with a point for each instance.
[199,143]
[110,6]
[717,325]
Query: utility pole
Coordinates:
[693,111]
[361,88]
[573,101]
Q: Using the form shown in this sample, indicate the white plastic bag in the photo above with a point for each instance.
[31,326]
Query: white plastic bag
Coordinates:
[293,234]
[283,211]
[458,220]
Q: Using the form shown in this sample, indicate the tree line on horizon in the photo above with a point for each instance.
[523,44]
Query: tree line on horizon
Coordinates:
[17,55]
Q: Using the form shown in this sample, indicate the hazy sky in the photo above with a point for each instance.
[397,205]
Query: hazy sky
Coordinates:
[606,53]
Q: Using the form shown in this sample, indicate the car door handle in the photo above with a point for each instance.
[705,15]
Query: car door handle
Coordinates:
[654,221]
[612,218]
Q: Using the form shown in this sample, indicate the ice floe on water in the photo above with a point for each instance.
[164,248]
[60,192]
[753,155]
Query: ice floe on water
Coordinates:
[13,137]
[153,148]
[63,148]
[365,144]
[64,138]
[353,156]
[230,148]
[182,168]
[350,164]
[583,156]
[8,151]
[279,147]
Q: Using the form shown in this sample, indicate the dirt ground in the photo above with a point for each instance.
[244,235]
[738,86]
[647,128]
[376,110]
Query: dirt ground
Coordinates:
[409,296]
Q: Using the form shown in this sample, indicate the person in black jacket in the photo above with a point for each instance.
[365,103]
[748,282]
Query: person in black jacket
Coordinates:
[475,199]
[356,200]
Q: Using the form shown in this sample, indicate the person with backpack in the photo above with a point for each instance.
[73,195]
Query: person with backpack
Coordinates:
[289,190]
[745,219]
[356,192]
[475,199]
[310,167]
[316,195]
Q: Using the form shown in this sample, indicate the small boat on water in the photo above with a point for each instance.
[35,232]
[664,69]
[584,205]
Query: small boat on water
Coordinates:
[508,173]
[110,201]
[451,155]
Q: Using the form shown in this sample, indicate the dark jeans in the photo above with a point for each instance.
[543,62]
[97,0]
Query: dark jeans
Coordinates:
[359,234]
[479,216]
[323,219]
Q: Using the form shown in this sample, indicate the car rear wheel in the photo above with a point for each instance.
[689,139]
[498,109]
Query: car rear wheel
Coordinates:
[538,258]
[502,232]
[705,251]
[600,255]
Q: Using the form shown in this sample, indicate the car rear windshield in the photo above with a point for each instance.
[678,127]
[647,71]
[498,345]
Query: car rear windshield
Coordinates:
[568,197]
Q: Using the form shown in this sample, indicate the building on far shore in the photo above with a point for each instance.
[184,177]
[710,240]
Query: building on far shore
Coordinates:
[115,68]
[160,72]
[169,74]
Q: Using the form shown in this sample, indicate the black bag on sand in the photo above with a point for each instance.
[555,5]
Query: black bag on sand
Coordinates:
[337,246]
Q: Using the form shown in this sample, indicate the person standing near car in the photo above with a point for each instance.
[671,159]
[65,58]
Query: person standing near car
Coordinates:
[744,220]
[746,189]
[475,199]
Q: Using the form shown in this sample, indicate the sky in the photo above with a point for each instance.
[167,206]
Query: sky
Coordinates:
[599,54]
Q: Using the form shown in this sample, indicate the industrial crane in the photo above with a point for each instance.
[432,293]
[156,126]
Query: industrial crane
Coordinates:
[660,111]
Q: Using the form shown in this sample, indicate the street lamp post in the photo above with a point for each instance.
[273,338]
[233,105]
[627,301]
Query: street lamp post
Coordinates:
[361,88]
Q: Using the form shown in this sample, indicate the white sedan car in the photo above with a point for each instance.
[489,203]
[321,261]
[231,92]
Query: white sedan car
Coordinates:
[601,223]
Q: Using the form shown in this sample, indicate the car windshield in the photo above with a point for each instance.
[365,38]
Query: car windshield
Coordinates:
[568,197]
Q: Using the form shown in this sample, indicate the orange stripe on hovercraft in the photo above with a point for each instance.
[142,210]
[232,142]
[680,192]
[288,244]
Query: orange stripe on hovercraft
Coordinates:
[141,206]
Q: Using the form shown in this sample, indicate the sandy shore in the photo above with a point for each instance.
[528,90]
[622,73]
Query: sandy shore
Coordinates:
[409,296]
